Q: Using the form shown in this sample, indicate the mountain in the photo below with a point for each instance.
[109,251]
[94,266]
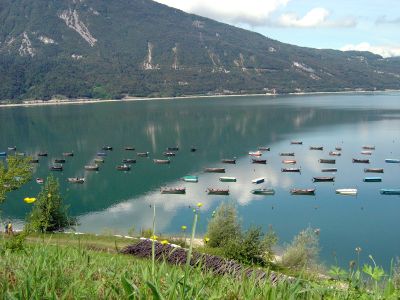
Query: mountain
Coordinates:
[103,48]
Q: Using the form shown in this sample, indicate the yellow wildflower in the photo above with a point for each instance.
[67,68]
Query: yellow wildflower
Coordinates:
[154,237]
[29,200]
[199,204]
[183,227]
[164,242]
[206,240]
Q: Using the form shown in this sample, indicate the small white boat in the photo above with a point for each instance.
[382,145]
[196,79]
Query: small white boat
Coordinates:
[366,152]
[348,192]
[39,180]
[258,180]
[256,153]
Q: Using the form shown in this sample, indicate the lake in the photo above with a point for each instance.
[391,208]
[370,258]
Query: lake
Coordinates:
[223,127]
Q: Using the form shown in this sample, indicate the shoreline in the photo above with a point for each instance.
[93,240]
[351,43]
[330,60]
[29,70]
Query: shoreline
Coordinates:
[33,103]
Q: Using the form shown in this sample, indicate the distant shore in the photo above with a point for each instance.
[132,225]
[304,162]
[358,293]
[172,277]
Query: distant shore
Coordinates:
[28,103]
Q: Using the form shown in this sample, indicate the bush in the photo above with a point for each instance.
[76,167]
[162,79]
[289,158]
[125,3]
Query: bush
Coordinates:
[224,226]
[303,251]
[49,213]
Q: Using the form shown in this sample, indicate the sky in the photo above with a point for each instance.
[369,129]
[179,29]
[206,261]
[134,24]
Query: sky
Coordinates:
[365,25]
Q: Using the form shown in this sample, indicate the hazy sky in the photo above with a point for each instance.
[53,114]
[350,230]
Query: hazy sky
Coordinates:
[339,24]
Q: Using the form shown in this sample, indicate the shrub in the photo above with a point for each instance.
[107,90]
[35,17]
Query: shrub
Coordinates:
[303,251]
[224,226]
[49,213]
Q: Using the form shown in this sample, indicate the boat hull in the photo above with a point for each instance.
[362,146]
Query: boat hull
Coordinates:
[347,192]
[266,192]
[390,191]
[227,179]
[392,161]
[214,170]
[190,179]
[304,192]
[372,179]
[373,170]
[323,179]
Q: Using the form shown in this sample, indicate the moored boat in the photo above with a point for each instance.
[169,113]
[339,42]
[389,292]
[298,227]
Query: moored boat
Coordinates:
[68,154]
[360,161]
[255,153]
[190,178]
[327,161]
[338,148]
[3,154]
[214,170]
[101,154]
[296,143]
[124,167]
[324,179]
[259,161]
[316,148]
[169,153]
[161,161]
[390,191]
[335,153]
[193,149]
[289,161]
[14,148]
[42,154]
[264,148]
[91,167]
[392,160]
[129,148]
[56,168]
[366,152]
[107,148]
[79,180]
[347,192]
[373,170]
[329,170]
[290,170]
[368,147]
[228,161]
[20,154]
[307,192]
[99,160]
[34,161]
[59,161]
[286,154]
[227,179]
[212,191]
[129,161]
[179,190]
[267,191]
[143,154]
[372,179]
[176,148]
[258,180]
[39,180]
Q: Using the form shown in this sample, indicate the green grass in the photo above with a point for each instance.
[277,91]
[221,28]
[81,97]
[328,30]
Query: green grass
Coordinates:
[64,266]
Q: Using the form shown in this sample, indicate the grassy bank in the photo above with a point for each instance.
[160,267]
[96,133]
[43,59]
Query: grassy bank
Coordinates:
[66,266]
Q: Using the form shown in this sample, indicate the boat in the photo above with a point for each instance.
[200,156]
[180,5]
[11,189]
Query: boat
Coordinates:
[390,191]
[169,154]
[42,154]
[368,147]
[290,170]
[366,152]
[161,161]
[264,148]
[214,170]
[289,161]
[76,180]
[129,161]
[327,161]
[129,148]
[176,148]
[259,161]
[101,154]
[34,161]
[91,167]
[68,154]
[335,153]
[373,170]
[258,180]
[124,167]
[180,191]
[267,191]
[324,179]
[337,148]
[392,160]
[107,148]
[360,161]
[316,148]
[310,192]
[286,154]
[39,180]
[296,143]
[190,178]
[99,160]
[212,191]
[329,170]
[193,149]
[372,179]
[20,154]
[14,148]
[347,192]
[227,179]
[59,161]
[3,154]
[143,154]
[56,168]
[256,153]
[228,161]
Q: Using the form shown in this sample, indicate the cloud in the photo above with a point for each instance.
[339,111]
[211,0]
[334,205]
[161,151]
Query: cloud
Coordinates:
[384,51]
[316,17]
[385,20]
[251,12]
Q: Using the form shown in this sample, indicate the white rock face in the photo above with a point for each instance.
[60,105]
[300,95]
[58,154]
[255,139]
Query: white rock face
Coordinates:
[175,63]
[26,48]
[303,67]
[71,19]
[46,40]
[76,56]
[240,62]
[148,62]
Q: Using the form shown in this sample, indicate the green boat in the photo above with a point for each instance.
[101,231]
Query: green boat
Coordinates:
[190,178]
[227,179]
[268,191]
[372,179]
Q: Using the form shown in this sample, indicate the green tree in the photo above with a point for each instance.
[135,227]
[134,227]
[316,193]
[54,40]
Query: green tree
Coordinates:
[14,172]
[49,213]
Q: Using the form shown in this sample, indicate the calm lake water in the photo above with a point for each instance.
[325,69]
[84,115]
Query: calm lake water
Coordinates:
[222,128]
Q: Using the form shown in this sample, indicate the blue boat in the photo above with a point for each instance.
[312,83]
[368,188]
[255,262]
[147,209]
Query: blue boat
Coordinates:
[101,154]
[392,160]
[3,154]
[372,179]
[390,191]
